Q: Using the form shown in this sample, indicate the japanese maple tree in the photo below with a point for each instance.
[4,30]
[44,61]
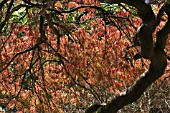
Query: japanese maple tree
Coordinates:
[61,56]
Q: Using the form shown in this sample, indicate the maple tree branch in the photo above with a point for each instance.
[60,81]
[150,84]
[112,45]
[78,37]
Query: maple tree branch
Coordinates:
[143,8]
[77,8]
[39,41]
[84,87]
[91,87]
[160,14]
[54,29]
[41,29]
[168,57]
[8,17]
[28,2]
[162,34]
[9,7]
[2,4]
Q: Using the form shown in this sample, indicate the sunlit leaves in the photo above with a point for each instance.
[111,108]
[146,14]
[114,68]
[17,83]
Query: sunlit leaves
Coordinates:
[18,16]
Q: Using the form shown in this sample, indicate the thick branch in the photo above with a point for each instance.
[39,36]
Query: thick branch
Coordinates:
[162,35]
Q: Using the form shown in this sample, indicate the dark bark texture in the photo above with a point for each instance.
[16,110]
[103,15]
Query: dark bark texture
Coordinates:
[148,51]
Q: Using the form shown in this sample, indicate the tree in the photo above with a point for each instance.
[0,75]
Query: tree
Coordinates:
[54,53]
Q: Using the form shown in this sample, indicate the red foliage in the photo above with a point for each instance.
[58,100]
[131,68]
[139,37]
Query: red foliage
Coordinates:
[93,57]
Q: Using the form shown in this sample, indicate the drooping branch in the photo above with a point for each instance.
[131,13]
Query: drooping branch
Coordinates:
[39,41]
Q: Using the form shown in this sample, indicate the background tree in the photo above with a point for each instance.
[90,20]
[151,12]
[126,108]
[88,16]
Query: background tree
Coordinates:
[62,56]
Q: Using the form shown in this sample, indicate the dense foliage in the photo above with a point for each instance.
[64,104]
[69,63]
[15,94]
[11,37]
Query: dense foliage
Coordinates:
[62,56]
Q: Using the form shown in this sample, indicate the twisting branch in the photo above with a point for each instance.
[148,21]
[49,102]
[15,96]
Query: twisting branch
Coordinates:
[162,35]
[155,54]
